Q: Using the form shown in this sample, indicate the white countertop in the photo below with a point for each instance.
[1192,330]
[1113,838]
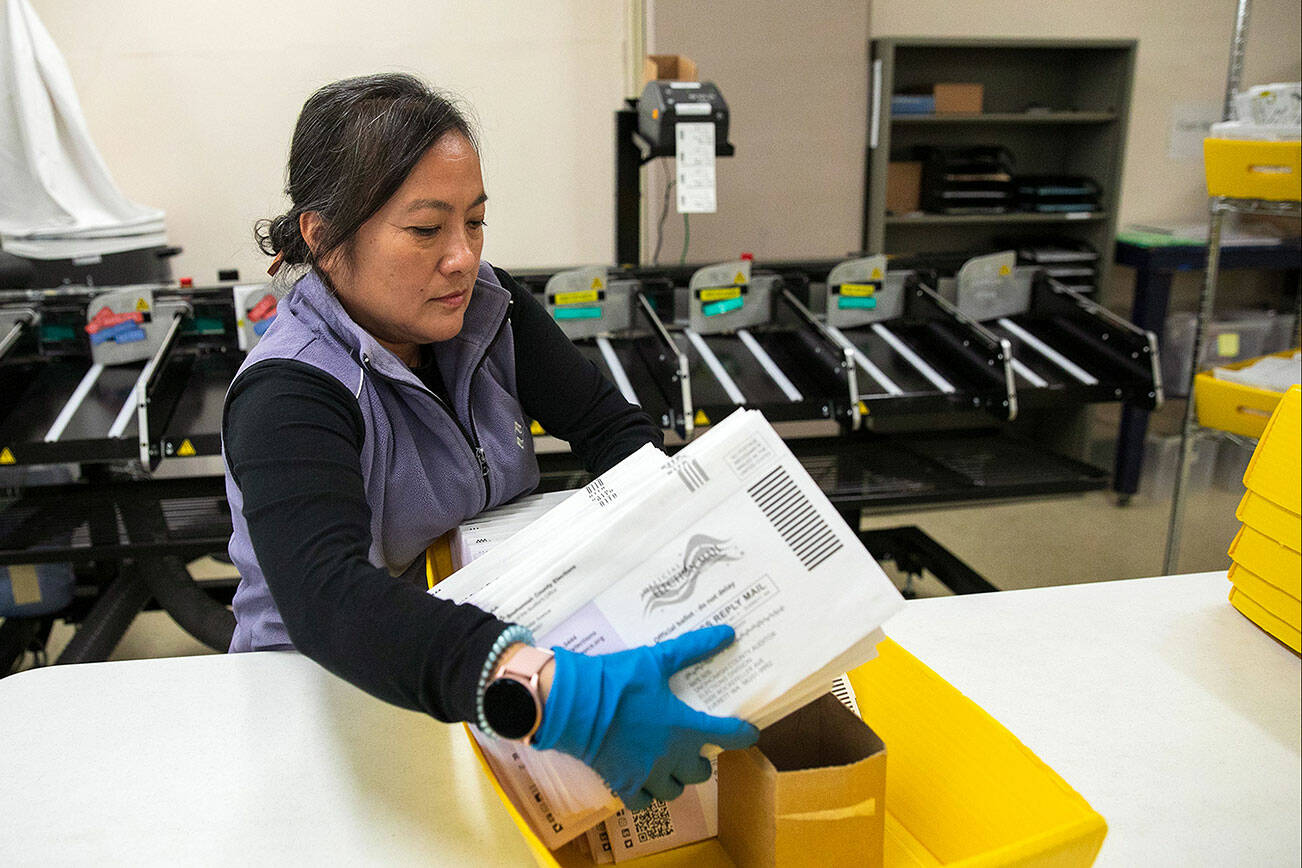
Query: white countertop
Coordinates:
[1175,717]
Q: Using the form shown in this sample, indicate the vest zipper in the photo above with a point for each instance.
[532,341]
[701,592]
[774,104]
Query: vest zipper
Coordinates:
[471,436]
[470,404]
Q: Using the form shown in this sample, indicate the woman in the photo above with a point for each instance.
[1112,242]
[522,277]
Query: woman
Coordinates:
[386,405]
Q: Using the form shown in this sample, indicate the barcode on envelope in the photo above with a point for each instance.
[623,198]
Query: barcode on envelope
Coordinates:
[795,518]
[691,473]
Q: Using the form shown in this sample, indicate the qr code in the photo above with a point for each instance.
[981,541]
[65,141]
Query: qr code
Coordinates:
[653,822]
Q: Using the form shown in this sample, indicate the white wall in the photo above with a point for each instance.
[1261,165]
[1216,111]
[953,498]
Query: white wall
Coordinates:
[795,76]
[193,104]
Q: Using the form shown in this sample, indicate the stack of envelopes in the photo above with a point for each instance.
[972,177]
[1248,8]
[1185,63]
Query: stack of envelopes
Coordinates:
[730,530]
[1267,568]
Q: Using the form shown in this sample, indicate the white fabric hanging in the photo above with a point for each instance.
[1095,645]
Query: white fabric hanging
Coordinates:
[57,199]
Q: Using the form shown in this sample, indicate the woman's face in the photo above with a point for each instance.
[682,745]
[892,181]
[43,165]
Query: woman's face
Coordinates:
[413,263]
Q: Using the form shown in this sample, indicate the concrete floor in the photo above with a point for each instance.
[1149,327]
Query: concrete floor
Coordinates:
[1023,544]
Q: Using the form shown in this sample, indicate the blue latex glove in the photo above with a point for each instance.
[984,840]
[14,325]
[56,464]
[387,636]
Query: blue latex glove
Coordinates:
[617,714]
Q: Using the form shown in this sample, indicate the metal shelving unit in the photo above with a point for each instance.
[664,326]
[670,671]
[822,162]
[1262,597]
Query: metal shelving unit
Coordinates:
[1218,207]
[1061,106]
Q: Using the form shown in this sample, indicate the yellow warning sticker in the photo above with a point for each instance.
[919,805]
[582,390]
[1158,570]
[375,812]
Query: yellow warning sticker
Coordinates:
[187,449]
[536,430]
[740,279]
[863,408]
[877,274]
[701,419]
[583,296]
[597,283]
[720,293]
[858,290]
[142,305]
[7,456]
[1004,271]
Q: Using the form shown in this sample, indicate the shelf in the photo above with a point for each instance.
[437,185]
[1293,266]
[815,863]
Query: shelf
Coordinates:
[1015,217]
[1008,118]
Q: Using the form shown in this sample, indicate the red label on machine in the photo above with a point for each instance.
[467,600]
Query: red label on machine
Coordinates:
[264,309]
[107,318]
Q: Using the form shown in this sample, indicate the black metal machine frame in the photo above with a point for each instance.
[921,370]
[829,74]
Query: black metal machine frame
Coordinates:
[130,531]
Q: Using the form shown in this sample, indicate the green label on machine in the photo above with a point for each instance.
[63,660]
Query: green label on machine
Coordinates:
[715,308]
[852,303]
[577,313]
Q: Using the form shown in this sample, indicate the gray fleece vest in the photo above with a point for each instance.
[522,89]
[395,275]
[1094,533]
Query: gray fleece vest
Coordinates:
[427,467]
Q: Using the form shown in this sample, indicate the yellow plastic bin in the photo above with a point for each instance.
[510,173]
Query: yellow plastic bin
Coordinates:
[960,789]
[1269,559]
[1250,169]
[1265,619]
[1271,598]
[1234,407]
[1275,471]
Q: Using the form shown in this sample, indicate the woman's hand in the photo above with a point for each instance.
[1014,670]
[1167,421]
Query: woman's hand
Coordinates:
[617,714]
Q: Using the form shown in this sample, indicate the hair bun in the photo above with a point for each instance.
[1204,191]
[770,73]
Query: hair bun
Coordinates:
[282,236]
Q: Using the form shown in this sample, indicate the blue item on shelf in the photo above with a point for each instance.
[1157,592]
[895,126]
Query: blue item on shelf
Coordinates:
[913,104]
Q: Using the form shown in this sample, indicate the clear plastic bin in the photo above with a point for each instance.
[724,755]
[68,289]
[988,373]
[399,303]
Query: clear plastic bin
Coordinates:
[1231,337]
[1162,463]
[1232,457]
[1281,335]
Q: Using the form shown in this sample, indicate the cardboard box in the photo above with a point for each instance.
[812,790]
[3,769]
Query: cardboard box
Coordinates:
[958,98]
[668,67]
[903,187]
[810,793]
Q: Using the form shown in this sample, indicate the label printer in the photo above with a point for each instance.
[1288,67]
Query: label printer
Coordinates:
[665,104]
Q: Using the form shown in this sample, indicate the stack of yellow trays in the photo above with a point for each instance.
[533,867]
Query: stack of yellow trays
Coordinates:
[1267,568]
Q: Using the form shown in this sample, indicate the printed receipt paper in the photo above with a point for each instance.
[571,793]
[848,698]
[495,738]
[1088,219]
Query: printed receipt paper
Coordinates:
[731,530]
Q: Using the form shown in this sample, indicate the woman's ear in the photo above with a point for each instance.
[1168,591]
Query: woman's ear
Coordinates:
[311,227]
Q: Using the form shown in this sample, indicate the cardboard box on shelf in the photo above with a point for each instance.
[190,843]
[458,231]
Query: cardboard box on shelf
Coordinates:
[812,792]
[903,186]
[668,67]
[958,98]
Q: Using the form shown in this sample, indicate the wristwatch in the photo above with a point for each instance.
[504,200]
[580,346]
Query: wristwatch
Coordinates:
[513,703]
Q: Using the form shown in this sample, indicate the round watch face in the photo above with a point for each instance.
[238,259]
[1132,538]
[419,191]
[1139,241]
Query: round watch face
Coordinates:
[509,708]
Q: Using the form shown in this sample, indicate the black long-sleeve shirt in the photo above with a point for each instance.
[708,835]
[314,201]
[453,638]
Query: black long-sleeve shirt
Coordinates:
[293,438]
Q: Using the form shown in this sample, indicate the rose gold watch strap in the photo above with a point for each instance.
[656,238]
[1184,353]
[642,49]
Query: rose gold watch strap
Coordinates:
[525,665]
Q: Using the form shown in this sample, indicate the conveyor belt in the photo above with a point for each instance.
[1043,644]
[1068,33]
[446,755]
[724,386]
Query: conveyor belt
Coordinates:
[646,391]
[62,412]
[195,417]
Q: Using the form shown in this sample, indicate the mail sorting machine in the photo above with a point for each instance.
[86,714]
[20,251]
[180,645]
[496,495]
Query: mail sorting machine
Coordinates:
[95,387]
[850,342]
[690,354]
[128,385]
[1006,337]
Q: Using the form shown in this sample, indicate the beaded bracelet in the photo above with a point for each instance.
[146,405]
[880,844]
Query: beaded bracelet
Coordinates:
[513,634]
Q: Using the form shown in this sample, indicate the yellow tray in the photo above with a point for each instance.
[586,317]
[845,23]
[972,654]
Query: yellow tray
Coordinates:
[1274,600]
[1263,556]
[1234,407]
[960,789]
[1257,614]
[1247,169]
[1273,521]
[1275,471]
